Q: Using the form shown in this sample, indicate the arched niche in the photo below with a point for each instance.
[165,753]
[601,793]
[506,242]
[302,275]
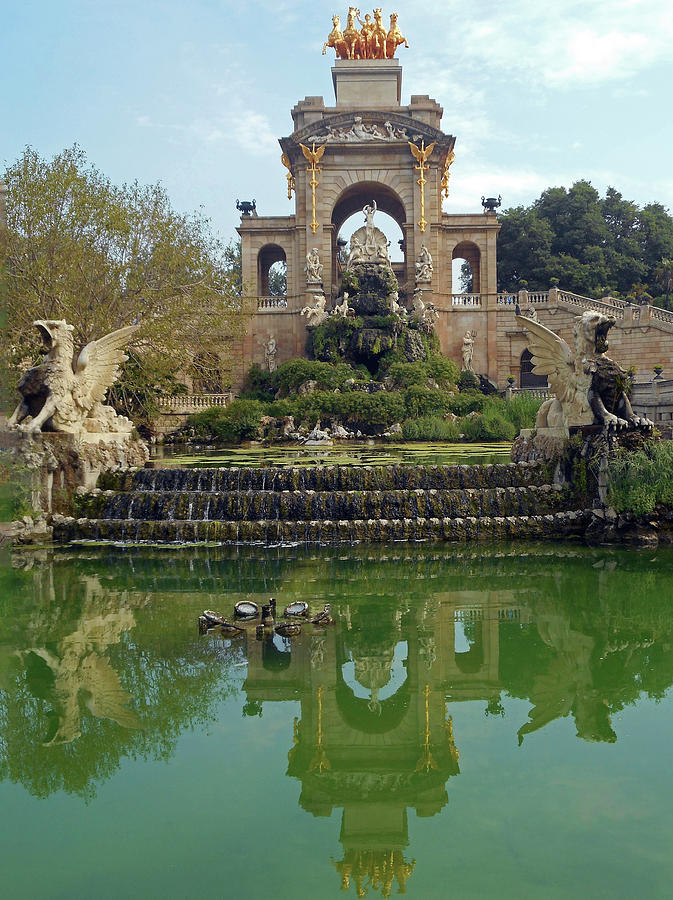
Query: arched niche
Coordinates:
[468,253]
[353,199]
[527,379]
[268,256]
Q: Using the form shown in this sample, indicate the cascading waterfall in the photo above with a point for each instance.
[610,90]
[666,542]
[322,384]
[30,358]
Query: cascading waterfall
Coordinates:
[326,504]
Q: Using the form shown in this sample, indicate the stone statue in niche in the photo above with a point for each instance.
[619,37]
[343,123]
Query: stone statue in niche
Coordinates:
[368,244]
[468,350]
[587,384]
[270,353]
[313,267]
[424,267]
[315,315]
[67,396]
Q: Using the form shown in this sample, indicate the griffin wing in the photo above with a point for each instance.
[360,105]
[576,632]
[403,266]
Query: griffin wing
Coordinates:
[286,161]
[317,156]
[551,357]
[99,363]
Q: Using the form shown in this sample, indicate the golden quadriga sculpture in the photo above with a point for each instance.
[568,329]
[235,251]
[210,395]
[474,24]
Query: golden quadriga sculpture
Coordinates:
[370,41]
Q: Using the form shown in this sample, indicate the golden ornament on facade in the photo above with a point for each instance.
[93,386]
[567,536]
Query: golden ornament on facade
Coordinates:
[421,155]
[370,41]
[444,184]
[290,175]
[313,156]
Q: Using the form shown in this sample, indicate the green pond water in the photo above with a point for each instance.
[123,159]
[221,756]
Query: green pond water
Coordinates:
[360,454]
[478,722]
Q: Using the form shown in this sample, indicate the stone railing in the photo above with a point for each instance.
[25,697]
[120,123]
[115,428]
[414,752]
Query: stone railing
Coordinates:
[190,403]
[541,393]
[466,300]
[268,304]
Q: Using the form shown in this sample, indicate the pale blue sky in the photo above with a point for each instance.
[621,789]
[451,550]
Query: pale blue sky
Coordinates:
[196,94]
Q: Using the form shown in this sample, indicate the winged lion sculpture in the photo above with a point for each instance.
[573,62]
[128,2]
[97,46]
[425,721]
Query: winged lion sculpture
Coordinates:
[62,394]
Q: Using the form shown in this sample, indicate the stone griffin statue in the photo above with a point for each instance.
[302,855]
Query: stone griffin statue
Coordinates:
[65,395]
[588,385]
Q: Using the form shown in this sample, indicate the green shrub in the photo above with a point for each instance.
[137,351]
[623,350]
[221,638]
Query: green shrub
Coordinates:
[259,384]
[237,422]
[640,480]
[466,402]
[423,401]
[430,428]
[491,425]
[443,370]
[291,374]
[521,410]
[371,412]
[468,381]
[405,374]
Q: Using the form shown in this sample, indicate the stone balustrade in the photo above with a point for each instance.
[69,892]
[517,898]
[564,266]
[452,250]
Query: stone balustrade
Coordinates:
[269,304]
[191,403]
[469,301]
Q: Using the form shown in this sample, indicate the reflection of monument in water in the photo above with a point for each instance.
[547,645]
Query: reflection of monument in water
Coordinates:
[374,736]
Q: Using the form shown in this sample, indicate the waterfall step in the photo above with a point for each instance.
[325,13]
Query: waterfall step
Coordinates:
[326,505]
[331,478]
[553,525]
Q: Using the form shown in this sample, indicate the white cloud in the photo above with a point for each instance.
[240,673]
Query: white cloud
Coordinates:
[573,43]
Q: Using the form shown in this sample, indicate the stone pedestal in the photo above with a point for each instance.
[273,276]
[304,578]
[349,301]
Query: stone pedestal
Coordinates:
[367,83]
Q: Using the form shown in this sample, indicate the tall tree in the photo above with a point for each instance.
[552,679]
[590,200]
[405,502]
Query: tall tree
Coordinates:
[593,245]
[101,256]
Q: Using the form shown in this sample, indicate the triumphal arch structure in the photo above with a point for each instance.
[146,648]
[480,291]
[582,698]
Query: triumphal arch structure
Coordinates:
[368,149]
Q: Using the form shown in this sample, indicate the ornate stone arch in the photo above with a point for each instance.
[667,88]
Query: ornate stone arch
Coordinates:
[266,257]
[471,253]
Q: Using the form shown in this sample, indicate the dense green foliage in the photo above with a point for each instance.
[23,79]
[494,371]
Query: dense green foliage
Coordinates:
[99,255]
[341,395]
[593,245]
[640,480]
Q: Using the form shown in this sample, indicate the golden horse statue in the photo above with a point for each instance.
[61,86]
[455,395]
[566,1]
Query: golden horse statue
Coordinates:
[351,34]
[336,39]
[379,36]
[395,37]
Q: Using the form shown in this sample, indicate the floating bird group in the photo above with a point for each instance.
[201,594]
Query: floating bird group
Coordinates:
[248,611]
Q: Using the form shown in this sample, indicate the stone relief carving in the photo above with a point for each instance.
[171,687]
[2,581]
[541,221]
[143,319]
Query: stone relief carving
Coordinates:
[315,315]
[313,267]
[424,266]
[60,396]
[361,131]
[584,380]
[468,350]
[270,353]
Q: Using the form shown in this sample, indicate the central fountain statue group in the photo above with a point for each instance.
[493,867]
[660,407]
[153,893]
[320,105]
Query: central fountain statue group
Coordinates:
[370,41]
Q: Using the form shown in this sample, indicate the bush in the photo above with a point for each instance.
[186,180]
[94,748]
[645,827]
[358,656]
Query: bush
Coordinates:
[291,374]
[422,401]
[466,402]
[237,422]
[639,481]
[404,374]
[521,410]
[468,381]
[443,370]
[430,428]
[491,425]
[259,385]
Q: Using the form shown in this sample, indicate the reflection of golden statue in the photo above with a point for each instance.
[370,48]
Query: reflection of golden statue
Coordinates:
[372,41]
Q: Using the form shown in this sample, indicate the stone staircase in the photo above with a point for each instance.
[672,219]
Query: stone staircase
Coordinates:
[329,504]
